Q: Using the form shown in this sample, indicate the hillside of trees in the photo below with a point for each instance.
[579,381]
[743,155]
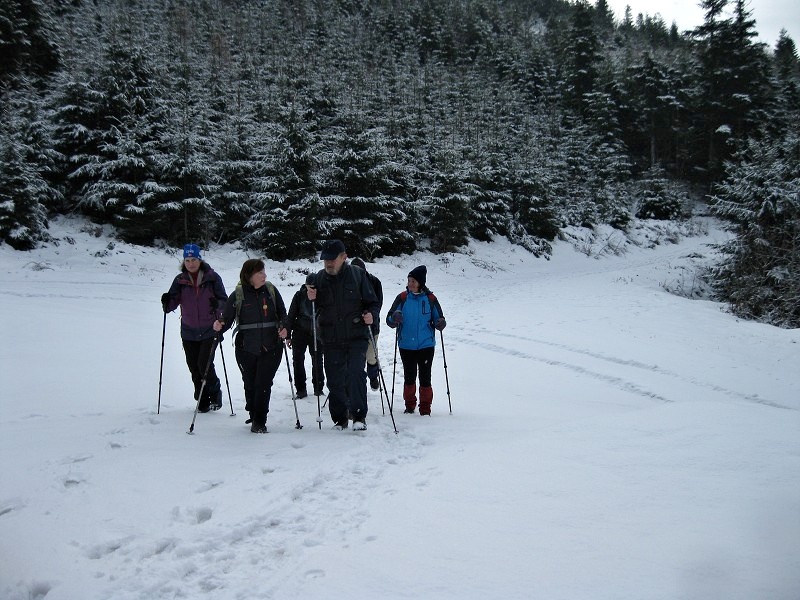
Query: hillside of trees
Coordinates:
[400,125]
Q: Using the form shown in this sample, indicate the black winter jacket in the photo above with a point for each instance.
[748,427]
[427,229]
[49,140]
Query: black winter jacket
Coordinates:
[259,319]
[300,312]
[341,299]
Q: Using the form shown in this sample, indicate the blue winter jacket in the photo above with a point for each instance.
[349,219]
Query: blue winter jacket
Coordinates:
[420,312]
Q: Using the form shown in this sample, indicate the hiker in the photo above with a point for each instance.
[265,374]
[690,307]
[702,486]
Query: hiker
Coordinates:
[199,291]
[416,312]
[372,357]
[257,309]
[346,304]
[301,329]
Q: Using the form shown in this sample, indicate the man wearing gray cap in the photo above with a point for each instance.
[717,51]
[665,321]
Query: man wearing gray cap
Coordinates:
[346,306]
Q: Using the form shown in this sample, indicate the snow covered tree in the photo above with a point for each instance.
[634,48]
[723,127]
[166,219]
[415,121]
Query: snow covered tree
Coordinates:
[363,198]
[787,75]
[444,204]
[78,133]
[582,57]
[286,204]
[27,42]
[124,178]
[23,216]
[489,208]
[658,197]
[734,79]
[761,197]
[187,174]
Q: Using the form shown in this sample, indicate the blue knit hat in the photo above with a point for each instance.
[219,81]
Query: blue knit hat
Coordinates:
[192,251]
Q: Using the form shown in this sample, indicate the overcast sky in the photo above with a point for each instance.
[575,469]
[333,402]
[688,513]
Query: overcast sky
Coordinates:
[771,15]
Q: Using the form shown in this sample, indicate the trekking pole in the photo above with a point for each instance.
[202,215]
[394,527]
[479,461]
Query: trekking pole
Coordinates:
[291,386]
[314,365]
[447,381]
[203,385]
[381,386]
[161,370]
[227,385]
[394,363]
[380,372]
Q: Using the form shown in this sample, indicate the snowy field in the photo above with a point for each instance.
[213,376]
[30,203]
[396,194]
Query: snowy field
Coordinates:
[608,440]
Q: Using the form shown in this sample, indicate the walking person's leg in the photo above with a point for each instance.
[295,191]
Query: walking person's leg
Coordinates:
[267,364]
[317,370]
[247,365]
[425,363]
[356,381]
[299,345]
[213,391]
[336,373]
[192,351]
[409,360]
[372,365]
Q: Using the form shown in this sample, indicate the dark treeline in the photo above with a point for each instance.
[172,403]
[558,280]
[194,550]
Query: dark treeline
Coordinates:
[400,125]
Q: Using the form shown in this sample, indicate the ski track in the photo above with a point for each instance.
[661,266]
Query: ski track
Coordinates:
[619,382]
[29,295]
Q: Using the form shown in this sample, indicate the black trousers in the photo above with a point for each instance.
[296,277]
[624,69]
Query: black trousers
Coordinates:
[301,341]
[414,360]
[196,359]
[258,371]
[347,381]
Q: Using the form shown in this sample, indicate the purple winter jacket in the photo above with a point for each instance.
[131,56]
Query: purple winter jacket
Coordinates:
[197,303]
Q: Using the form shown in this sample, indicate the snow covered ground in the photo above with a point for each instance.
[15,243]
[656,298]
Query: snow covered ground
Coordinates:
[608,440]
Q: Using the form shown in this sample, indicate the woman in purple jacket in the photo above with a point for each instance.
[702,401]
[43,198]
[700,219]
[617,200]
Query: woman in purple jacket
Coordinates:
[201,295]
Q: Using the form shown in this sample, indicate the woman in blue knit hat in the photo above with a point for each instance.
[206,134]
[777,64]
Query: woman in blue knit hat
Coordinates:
[199,291]
[418,314]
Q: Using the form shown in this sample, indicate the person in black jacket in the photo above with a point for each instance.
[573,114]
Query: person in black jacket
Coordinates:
[372,357]
[301,330]
[259,312]
[346,305]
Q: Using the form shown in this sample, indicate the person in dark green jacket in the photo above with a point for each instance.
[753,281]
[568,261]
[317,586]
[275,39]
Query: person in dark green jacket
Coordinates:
[257,308]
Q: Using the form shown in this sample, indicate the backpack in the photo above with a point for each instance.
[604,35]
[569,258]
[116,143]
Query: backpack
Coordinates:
[431,298]
[240,297]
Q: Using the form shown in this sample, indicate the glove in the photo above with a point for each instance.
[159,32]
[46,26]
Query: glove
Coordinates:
[440,323]
[164,301]
[397,317]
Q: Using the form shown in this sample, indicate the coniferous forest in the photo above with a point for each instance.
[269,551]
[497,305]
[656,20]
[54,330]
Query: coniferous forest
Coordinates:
[398,125]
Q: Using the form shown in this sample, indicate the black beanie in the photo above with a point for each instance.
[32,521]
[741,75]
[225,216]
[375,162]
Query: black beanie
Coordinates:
[357,262]
[419,273]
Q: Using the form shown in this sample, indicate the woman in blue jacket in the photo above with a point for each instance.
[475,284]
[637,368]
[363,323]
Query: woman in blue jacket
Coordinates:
[417,313]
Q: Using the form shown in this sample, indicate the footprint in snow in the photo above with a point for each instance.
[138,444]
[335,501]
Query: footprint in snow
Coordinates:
[102,550]
[315,574]
[203,514]
[70,482]
[11,505]
[76,459]
[208,485]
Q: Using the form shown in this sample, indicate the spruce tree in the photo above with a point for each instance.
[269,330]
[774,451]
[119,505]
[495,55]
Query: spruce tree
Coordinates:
[761,197]
[23,216]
